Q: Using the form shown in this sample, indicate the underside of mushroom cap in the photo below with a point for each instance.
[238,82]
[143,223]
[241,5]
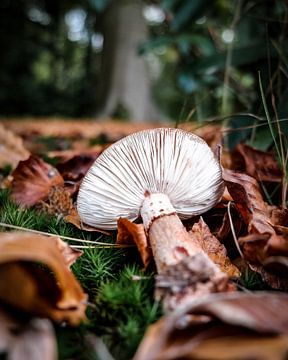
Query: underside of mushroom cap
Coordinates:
[169,161]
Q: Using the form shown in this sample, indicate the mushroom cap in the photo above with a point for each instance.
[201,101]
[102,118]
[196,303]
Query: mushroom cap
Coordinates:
[164,160]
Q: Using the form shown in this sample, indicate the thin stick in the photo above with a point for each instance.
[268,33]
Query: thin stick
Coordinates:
[98,246]
[62,237]
[233,230]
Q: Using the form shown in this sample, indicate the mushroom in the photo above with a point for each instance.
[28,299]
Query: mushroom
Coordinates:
[162,175]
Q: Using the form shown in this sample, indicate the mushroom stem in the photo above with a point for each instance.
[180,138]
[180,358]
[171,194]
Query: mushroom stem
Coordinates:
[182,265]
[169,240]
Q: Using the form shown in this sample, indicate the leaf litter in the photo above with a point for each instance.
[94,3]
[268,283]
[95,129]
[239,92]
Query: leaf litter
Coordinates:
[208,327]
[36,283]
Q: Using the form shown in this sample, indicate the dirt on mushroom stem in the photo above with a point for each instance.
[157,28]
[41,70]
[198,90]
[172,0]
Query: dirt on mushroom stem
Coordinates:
[185,271]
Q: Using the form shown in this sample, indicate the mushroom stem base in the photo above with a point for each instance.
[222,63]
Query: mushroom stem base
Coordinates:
[185,271]
[190,278]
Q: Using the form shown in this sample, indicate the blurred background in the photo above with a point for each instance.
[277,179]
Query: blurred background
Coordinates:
[178,60]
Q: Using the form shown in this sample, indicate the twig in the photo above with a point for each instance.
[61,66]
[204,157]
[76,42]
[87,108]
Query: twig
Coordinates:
[98,246]
[62,237]
[233,230]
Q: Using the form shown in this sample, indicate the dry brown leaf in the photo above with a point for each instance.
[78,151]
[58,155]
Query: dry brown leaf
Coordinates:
[262,241]
[74,219]
[234,326]
[226,195]
[58,202]
[258,247]
[30,340]
[201,234]
[114,130]
[69,254]
[261,165]
[33,180]
[30,287]
[75,168]
[12,149]
[248,199]
[224,233]
[130,233]
[279,217]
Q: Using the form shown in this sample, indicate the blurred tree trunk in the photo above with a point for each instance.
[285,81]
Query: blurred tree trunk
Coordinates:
[126,85]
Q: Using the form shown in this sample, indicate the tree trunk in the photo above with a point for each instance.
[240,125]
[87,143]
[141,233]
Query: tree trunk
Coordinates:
[126,83]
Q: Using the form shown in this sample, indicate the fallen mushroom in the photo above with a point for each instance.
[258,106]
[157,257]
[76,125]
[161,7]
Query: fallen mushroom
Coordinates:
[157,174]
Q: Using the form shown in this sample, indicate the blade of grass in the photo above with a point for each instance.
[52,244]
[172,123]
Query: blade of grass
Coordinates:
[268,116]
[280,151]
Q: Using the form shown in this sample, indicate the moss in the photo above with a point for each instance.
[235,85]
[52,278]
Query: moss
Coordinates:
[126,307]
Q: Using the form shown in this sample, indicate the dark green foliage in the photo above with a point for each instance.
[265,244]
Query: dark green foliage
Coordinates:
[96,265]
[252,280]
[42,71]
[11,214]
[5,171]
[205,73]
[126,308]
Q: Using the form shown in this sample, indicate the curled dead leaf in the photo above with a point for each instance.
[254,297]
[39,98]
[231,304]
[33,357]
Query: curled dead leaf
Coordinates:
[69,254]
[263,240]
[130,233]
[248,199]
[233,326]
[33,180]
[213,248]
[261,165]
[30,287]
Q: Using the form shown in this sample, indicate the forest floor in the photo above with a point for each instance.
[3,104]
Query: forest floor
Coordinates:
[105,307]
